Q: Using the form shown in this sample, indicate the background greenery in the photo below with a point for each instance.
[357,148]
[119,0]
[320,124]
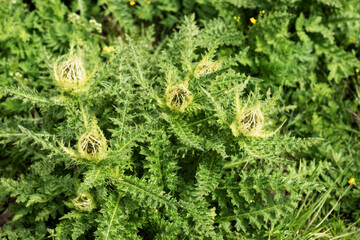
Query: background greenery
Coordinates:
[181,176]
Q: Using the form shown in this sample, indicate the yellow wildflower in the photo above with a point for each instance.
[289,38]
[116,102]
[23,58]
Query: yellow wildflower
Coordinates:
[132,3]
[149,2]
[351,181]
[253,20]
[351,40]
[107,50]
[212,213]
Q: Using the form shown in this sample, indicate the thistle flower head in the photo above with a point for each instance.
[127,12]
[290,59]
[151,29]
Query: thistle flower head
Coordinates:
[84,202]
[206,66]
[249,122]
[70,74]
[178,97]
[92,145]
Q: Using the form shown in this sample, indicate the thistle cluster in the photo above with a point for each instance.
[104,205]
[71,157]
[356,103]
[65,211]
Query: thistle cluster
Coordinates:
[249,120]
[71,76]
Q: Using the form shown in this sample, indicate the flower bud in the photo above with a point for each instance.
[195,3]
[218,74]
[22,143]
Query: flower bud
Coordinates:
[178,97]
[249,122]
[70,74]
[84,202]
[206,67]
[92,145]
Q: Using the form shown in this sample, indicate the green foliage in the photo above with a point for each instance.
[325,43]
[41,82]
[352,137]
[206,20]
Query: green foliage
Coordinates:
[193,122]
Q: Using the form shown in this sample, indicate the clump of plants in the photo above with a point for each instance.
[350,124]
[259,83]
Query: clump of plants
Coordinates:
[190,136]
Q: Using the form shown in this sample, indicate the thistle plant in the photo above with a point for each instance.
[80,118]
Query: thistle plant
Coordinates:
[174,168]
[173,137]
[250,121]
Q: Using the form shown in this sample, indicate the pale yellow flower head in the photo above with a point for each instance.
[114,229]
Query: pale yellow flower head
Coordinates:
[206,66]
[178,97]
[70,74]
[249,122]
[92,145]
[84,202]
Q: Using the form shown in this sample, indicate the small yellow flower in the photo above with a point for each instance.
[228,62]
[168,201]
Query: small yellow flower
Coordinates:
[237,18]
[352,39]
[357,70]
[149,2]
[253,20]
[107,50]
[262,12]
[212,213]
[351,181]
[132,3]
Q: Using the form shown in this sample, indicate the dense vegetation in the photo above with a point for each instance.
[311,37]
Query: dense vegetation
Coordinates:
[179,119]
